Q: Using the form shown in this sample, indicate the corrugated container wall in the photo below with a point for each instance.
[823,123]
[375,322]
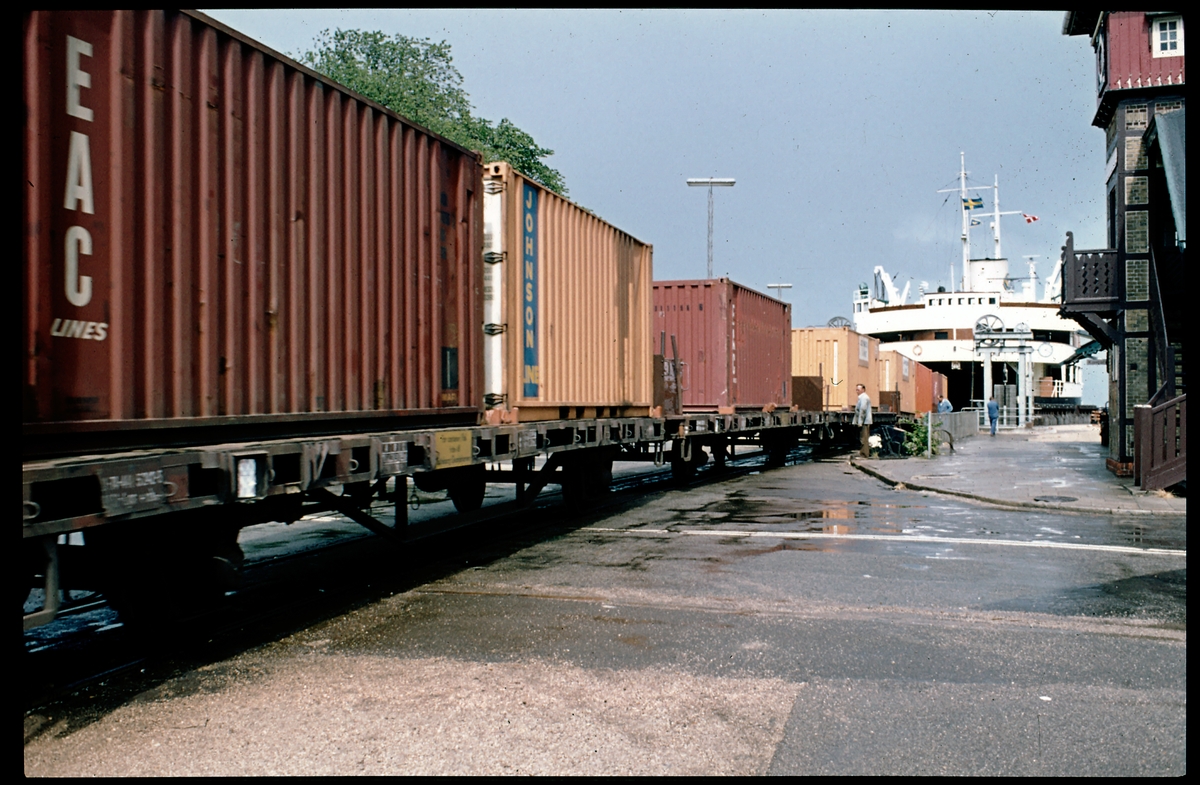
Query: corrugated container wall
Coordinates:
[842,357]
[215,234]
[898,373]
[567,306]
[735,343]
[930,385]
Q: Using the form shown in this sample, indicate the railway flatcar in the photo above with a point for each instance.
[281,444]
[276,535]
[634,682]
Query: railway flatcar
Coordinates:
[250,295]
[223,246]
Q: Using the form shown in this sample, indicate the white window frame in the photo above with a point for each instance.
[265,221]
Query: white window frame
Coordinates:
[1155,51]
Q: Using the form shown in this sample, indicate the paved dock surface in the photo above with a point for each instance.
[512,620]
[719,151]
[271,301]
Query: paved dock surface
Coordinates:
[1058,467]
[804,620]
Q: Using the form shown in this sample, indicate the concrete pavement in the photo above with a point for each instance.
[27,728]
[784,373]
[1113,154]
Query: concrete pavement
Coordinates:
[1058,467]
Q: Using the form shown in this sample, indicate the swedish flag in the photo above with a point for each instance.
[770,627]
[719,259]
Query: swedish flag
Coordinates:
[973,203]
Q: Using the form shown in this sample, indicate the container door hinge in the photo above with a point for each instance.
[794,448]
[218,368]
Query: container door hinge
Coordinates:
[494,257]
[493,187]
[492,400]
[494,329]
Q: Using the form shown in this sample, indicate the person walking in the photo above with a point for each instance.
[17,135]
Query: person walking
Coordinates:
[862,418]
[944,406]
[993,413]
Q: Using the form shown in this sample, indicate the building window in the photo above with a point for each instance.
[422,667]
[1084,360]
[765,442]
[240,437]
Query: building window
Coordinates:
[1137,190]
[941,335]
[1110,133]
[1162,107]
[1167,38]
[1137,236]
[1135,154]
[1135,117]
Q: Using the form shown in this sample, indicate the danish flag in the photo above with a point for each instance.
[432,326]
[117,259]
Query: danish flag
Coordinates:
[1029,218]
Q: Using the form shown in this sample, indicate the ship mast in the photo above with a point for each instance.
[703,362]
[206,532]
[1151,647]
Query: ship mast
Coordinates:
[967,283]
[966,221]
[996,214]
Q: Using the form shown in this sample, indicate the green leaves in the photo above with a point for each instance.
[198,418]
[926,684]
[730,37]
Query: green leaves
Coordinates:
[416,78]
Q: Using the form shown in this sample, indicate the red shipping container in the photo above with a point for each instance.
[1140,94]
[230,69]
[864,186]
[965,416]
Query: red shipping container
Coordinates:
[215,235]
[930,385]
[735,343]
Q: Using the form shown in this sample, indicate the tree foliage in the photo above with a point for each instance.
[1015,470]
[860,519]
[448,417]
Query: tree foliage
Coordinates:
[416,78]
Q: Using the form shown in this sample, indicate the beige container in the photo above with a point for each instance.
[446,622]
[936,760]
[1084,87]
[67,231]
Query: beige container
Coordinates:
[842,357]
[899,374]
[568,303]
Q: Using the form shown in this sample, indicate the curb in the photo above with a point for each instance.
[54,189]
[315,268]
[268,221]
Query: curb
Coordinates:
[1012,504]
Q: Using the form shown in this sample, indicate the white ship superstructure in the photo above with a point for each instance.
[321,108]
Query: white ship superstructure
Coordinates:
[992,328]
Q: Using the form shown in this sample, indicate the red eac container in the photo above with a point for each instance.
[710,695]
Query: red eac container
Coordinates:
[217,235]
[735,343]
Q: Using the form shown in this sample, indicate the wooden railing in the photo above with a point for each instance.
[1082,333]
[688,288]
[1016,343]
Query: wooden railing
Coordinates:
[1092,281]
[1160,443]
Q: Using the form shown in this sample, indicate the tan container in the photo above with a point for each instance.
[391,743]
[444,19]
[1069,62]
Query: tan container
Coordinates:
[898,373]
[568,300]
[842,357]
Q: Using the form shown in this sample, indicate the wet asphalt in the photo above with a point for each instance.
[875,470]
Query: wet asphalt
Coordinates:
[803,620]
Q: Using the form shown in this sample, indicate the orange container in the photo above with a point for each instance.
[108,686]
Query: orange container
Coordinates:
[929,386]
[897,373]
[842,357]
[567,306]
[243,243]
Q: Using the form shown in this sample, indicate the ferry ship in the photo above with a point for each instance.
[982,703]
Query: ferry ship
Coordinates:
[991,334]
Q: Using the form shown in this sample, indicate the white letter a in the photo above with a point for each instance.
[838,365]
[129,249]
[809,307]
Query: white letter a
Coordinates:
[79,174]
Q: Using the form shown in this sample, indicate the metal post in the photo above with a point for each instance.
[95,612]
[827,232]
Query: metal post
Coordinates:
[710,212]
[710,182]
[987,376]
[929,435]
[400,498]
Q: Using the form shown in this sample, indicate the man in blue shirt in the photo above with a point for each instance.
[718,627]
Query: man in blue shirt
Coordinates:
[944,406]
[993,413]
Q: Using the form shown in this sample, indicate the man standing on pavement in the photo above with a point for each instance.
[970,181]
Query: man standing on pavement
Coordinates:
[993,413]
[862,418]
[944,406]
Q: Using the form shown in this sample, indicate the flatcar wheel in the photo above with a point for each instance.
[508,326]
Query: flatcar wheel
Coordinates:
[599,475]
[468,489]
[777,453]
[681,470]
[157,579]
[579,481]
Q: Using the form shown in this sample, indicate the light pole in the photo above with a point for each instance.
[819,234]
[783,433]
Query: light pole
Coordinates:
[710,182]
[779,286]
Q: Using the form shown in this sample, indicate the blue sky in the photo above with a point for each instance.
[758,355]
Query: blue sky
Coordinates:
[839,126]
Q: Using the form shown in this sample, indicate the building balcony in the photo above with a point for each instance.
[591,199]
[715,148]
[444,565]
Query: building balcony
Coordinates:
[1093,281]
